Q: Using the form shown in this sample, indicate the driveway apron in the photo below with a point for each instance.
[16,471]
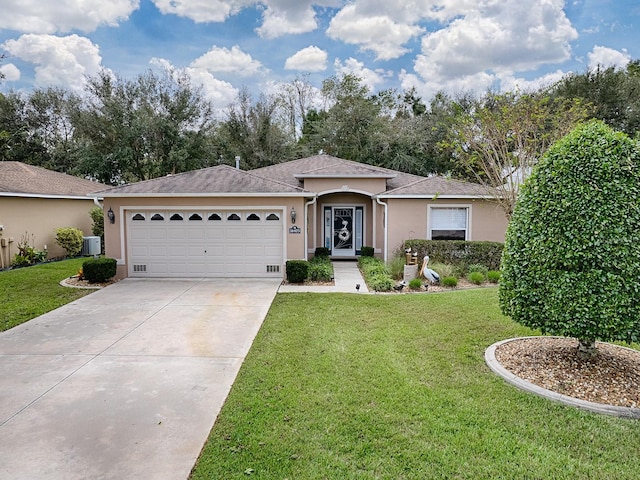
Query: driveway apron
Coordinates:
[126,382]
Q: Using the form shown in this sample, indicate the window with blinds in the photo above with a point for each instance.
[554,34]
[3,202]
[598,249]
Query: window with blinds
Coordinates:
[448,223]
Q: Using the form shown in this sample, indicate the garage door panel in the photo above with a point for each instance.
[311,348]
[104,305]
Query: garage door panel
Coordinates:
[208,248]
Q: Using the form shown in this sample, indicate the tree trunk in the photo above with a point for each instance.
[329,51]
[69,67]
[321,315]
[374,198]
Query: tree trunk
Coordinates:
[587,349]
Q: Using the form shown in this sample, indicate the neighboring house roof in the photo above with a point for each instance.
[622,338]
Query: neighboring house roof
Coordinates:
[439,187]
[21,179]
[212,181]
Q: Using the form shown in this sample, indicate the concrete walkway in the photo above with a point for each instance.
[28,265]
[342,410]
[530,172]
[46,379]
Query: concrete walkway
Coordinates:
[346,276]
[127,382]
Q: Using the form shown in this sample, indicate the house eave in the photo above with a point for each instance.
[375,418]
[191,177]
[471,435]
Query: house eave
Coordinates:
[436,196]
[89,196]
[206,195]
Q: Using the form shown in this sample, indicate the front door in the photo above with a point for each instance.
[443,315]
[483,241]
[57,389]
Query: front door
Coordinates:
[343,230]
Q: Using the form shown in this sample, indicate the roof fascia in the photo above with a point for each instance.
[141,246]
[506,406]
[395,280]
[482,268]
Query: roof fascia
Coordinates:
[89,196]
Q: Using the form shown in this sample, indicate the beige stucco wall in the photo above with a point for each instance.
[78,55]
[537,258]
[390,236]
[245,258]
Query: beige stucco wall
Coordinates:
[369,185]
[409,219]
[38,218]
[115,234]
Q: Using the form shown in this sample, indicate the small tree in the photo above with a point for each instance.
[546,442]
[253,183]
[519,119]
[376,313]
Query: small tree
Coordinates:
[571,262]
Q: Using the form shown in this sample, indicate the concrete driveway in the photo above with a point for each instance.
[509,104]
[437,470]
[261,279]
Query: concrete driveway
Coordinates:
[127,382]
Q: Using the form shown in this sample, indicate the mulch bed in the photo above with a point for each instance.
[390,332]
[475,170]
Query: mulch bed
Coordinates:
[612,377]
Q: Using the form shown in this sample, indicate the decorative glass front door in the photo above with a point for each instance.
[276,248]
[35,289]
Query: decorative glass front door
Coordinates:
[343,230]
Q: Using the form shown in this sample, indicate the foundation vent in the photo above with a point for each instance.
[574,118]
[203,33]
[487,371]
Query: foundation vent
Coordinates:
[139,268]
[273,268]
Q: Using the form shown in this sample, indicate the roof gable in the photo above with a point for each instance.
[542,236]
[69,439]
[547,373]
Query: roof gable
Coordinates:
[327,166]
[221,179]
[17,178]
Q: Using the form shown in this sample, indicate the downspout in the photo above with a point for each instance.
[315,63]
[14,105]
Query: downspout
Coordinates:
[384,226]
[95,200]
[306,226]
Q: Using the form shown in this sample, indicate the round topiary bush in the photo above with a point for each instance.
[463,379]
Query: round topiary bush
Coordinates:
[450,282]
[476,278]
[571,261]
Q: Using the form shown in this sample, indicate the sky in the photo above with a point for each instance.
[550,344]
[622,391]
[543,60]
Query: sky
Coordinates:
[227,45]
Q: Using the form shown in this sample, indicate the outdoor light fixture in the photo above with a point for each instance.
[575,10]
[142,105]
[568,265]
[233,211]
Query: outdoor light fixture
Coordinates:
[111,215]
[293,215]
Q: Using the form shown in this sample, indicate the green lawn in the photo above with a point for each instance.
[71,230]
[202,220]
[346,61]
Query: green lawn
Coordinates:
[340,386]
[28,292]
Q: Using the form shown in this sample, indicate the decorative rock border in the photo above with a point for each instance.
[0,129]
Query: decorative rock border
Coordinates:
[64,283]
[496,367]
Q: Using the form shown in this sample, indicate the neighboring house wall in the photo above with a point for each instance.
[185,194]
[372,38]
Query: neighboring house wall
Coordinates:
[115,234]
[409,219]
[37,218]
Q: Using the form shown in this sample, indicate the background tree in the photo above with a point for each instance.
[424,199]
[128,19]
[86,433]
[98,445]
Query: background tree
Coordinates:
[499,140]
[253,132]
[131,130]
[18,141]
[613,92]
[571,261]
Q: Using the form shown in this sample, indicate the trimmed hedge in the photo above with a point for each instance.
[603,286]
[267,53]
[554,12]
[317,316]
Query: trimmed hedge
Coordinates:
[367,251]
[97,270]
[297,270]
[458,252]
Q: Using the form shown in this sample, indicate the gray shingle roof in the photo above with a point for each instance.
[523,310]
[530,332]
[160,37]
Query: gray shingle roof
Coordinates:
[22,179]
[325,165]
[213,180]
[436,186]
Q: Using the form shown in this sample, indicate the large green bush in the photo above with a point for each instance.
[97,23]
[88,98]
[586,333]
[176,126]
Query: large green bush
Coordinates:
[571,263]
[70,239]
[97,270]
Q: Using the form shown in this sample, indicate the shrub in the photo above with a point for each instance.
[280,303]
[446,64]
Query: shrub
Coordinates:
[572,252]
[376,274]
[320,269]
[396,268]
[367,251]
[97,221]
[70,239]
[27,253]
[458,253]
[96,270]
[297,270]
[476,277]
[380,283]
[450,282]
[321,252]
[443,269]
[493,276]
[415,284]
[477,267]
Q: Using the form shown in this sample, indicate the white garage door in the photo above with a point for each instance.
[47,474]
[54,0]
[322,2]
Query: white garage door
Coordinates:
[205,243]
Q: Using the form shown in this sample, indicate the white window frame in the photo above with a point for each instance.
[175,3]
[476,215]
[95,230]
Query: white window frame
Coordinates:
[467,207]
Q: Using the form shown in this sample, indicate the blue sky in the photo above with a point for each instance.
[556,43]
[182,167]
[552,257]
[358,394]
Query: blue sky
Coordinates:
[225,45]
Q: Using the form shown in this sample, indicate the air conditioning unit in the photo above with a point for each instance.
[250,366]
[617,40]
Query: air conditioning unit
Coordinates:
[91,246]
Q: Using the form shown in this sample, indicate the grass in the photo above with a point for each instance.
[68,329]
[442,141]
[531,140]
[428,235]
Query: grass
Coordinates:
[28,292]
[347,386]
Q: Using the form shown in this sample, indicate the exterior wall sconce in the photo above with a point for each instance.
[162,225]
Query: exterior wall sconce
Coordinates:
[111,216]
[293,215]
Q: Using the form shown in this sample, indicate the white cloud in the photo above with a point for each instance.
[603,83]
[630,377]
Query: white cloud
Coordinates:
[36,16]
[607,57]
[59,61]
[10,71]
[277,22]
[310,59]
[378,33]
[224,60]
[477,83]
[371,78]
[220,93]
[202,11]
